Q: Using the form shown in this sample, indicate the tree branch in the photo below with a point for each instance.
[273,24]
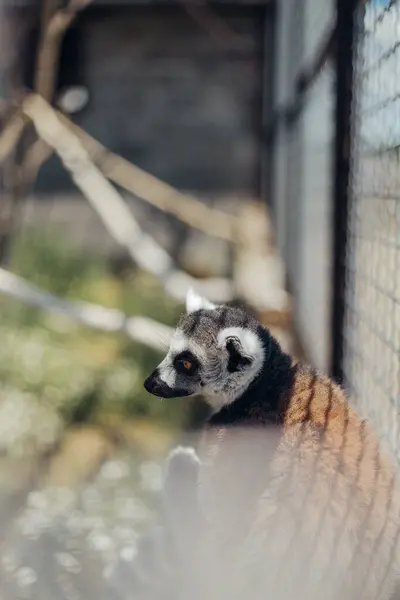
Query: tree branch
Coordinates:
[143,185]
[10,135]
[54,27]
[140,329]
[152,190]
[111,208]
[255,254]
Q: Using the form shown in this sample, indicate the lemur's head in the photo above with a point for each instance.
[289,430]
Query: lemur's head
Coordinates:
[215,351]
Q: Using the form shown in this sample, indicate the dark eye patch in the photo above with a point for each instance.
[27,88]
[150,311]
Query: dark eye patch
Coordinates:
[186,363]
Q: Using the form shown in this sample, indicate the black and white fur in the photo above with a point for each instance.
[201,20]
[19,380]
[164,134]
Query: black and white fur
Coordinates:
[228,346]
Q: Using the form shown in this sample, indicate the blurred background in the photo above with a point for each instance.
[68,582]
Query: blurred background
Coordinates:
[246,147]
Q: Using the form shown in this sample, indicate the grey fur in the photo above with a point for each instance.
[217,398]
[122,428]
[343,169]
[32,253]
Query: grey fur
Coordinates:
[203,325]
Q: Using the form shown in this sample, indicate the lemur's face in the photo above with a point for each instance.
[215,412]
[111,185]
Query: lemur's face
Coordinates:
[215,351]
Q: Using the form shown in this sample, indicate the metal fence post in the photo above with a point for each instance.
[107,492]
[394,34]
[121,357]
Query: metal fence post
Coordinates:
[344,71]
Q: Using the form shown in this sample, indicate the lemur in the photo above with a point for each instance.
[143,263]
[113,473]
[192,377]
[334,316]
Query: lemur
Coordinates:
[295,494]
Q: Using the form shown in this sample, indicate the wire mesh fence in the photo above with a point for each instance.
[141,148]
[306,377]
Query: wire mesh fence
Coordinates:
[336,192]
[372,299]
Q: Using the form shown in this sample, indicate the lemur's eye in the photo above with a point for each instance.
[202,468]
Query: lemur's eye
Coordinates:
[187,365]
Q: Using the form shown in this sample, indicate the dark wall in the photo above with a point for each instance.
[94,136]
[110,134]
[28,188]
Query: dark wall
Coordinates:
[171,97]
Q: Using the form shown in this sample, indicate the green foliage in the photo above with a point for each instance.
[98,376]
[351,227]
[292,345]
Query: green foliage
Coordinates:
[73,371]
[47,259]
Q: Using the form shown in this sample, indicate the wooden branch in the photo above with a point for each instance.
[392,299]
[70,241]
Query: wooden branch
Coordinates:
[111,208]
[10,140]
[138,182]
[184,207]
[259,272]
[140,329]
[36,155]
[10,135]
[55,24]
[41,74]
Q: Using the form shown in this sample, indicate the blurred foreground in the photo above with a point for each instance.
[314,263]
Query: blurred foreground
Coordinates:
[81,441]
[83,444]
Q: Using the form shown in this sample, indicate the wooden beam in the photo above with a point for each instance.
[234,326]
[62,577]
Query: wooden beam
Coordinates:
[112,209]
[259,274]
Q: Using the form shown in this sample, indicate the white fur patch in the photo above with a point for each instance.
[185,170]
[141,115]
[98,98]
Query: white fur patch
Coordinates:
[179,343]
[249,341]
[196,302]
[167,372]
[253,348]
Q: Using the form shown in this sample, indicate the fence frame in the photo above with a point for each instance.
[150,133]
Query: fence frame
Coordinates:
[344,67]
[338,47]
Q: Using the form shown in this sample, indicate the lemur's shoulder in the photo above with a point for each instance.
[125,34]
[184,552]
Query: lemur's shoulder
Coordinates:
[314,418]
[319,401]
[316,398]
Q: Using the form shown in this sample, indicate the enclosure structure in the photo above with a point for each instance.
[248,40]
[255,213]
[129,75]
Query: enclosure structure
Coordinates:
[179,90]
[335,191]
[171,88]
[294,102]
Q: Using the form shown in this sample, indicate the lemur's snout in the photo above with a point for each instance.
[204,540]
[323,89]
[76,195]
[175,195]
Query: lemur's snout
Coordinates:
[155,385]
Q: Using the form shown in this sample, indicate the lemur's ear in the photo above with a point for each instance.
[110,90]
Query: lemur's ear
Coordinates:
[243,347]
[195,302]
[237,357]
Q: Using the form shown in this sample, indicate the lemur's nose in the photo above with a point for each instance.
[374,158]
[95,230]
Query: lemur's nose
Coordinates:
[154,385]
[151,384]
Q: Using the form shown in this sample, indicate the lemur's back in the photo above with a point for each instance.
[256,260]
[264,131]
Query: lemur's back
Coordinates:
[307,508]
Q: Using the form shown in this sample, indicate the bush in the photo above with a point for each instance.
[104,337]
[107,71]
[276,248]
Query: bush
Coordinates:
[73,371]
